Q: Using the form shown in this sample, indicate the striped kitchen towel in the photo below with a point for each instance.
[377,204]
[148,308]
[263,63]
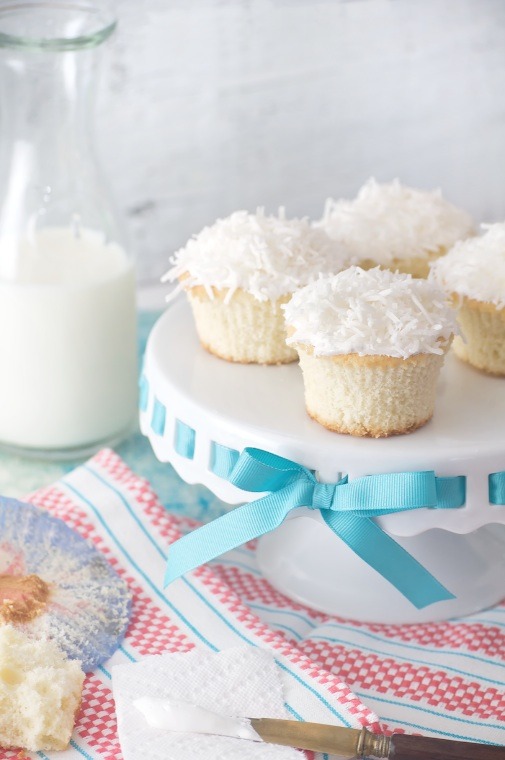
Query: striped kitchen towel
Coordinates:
[443,679]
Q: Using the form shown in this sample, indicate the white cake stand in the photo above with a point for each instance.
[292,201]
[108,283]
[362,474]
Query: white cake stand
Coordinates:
[238,406]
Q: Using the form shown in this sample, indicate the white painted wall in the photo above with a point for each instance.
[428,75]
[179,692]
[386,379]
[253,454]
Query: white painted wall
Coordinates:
[209,106]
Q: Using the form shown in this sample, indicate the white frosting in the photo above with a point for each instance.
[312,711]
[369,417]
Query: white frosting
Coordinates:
[268,256]
[390,221]
[374,312]
[174,715]
[476,267]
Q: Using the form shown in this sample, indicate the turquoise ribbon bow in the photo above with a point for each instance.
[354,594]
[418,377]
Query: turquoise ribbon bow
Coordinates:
[347,508]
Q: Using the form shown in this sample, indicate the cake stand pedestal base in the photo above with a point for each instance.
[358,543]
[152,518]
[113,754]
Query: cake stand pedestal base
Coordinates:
[335,580]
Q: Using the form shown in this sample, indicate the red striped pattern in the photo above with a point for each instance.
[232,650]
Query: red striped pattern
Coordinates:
[96,721]
[335,668]
[252,588]
[417,683]
[487,640]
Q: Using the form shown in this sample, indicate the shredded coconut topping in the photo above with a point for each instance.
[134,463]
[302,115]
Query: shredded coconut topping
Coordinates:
[389,221]
[476,267]
[374,312]
[268,256]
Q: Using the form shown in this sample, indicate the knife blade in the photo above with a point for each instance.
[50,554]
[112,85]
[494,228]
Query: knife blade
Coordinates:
[354,743]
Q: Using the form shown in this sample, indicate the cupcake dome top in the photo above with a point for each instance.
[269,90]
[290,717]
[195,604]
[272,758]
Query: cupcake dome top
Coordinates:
[475,268]
[390,221]
[268,256]
[374,312]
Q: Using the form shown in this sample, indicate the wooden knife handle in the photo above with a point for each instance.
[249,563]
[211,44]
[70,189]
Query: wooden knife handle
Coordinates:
[405,747]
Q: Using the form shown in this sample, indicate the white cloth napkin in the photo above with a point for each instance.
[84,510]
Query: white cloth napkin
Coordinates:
[240,682]
[441,679]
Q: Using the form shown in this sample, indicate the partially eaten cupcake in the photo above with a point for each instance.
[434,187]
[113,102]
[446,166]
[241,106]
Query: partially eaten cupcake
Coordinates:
[473,272]
[40,693]
[396,227]
[237,274]
[371,346]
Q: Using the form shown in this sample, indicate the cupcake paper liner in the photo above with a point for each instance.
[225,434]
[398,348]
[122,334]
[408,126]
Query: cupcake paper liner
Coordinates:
[89,606]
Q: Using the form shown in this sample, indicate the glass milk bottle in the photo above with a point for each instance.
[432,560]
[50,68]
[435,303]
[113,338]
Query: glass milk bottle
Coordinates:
[67,293]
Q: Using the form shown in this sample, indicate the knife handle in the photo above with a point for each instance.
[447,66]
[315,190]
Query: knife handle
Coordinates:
[406,747]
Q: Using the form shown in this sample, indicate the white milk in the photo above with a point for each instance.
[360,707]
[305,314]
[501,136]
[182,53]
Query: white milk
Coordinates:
[67,340]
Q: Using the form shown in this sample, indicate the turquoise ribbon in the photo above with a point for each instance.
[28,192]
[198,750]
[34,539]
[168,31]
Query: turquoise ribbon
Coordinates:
[347,508]
[158,418]
[143,393]
[184,442]
[497,488]
[222,460]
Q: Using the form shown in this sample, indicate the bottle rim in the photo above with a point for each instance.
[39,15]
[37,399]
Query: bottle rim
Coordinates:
[55,25]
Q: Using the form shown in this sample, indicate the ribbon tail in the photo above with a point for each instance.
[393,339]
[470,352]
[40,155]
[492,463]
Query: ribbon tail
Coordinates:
[388,558]
[233,529]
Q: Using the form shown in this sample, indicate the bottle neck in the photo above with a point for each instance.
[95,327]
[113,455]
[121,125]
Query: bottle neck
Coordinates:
[49,176]
[46,101]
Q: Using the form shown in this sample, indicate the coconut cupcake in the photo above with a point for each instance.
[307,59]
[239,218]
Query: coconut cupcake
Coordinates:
[371,346]
[473,272]
[239,272]
[395,227]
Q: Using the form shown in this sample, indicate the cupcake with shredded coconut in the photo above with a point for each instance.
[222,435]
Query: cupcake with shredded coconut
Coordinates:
[371,346]
[396,227]
[473,272]
[237,274]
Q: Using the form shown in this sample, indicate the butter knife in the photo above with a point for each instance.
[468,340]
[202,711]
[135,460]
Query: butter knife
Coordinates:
[346,743]
[354,743]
